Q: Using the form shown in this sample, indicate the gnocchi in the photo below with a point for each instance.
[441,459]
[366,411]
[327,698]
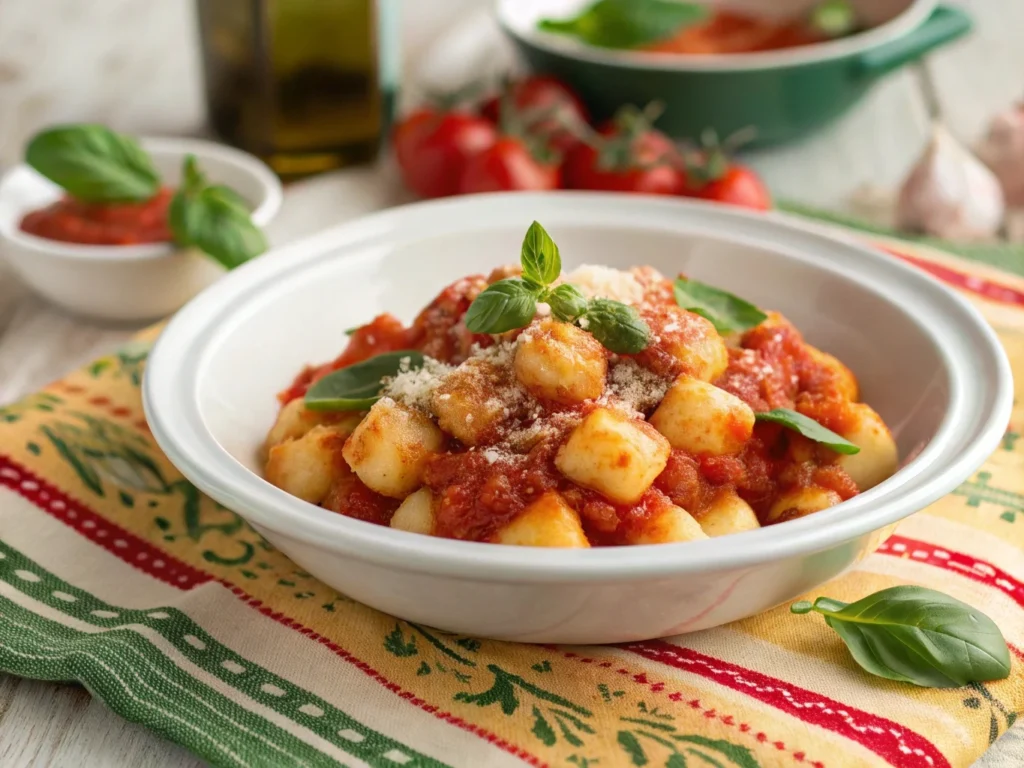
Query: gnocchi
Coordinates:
[307,466]
[547,522]
[558,433]
[701,418]
[666,525]
[878,456]
[390,447]
[726,514]
[561,362]
[614,454]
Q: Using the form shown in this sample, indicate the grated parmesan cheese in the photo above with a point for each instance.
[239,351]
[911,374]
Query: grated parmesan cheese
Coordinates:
[595,281]
[636,386]
[414,388]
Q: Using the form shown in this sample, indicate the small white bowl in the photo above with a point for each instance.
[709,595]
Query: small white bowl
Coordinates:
[127,282]
[926,360]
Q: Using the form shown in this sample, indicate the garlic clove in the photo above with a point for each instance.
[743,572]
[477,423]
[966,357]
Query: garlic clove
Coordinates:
[1002,150]
[950,193]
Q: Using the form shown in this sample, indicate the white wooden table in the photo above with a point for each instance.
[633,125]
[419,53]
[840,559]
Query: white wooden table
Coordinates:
[132,64]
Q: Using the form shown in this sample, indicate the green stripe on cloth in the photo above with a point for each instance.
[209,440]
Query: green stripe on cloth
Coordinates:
[1006,256]
[88,639]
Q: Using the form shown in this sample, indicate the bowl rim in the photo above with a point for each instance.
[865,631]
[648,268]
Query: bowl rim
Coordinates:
[177,361]
[907,20]
[266,209]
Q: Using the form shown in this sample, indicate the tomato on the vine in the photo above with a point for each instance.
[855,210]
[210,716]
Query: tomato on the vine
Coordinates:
[712,175]
[565,112]
[509,165]
[433,148]
[626,155]
[737,185]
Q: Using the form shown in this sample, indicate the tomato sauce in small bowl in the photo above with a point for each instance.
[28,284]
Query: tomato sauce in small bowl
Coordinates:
[74,221]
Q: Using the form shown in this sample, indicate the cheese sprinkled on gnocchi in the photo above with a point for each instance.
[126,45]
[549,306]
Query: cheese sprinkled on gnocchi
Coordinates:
[543,436]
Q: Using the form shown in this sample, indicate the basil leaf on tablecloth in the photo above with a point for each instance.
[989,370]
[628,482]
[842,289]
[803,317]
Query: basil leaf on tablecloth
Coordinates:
[214,219]
[809,428]
[627,23]
[358,386]
[617,326]
[94,164]
[728,313]
[917,635]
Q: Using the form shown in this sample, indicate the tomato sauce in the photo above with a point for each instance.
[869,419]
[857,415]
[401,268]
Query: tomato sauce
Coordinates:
[438,332]
[74,221]
[730,32]
[479,491]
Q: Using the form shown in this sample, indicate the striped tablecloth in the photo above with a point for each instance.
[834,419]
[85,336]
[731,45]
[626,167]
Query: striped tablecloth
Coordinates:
[116,572]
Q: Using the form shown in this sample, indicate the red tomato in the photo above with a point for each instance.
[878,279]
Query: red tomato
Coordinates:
[542,93]
[738,185]
[647,163]
[433,148]
[508,165]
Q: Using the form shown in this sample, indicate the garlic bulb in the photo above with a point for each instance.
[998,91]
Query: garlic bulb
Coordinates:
[1002,150]
[950,194]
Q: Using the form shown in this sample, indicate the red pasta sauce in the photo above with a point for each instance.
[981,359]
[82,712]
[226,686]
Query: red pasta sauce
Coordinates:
[480,491]
[73,221]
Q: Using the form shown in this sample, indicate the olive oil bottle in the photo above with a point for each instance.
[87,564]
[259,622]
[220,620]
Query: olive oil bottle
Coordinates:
[308,85]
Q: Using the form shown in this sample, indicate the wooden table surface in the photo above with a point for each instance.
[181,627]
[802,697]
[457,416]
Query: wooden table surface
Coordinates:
[132,64]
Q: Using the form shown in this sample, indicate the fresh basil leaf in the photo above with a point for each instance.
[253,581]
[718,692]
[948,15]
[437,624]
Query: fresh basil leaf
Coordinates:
[834,18]
[917,635]
[728,313]
[809,428]
[94,164]
[503,306]
[566,302]
[192,178]
[617,326]
[214,219]
[627,23]
[540,259]
[358,386]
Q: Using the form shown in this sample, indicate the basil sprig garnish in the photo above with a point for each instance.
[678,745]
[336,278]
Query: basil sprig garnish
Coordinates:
[214,219]
[512,303]
[358,387]
[503,306]
[627,23]
[567,303]
[917,635]
[94,164]
[809,428]
[728,313]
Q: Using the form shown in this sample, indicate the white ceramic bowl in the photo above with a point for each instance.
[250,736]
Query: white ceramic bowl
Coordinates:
[927,361]
[127,282]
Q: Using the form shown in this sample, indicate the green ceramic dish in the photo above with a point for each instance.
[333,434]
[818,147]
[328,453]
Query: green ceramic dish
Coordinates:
[782,94]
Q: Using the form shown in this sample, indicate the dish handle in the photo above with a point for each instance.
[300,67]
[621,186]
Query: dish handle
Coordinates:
[944,25]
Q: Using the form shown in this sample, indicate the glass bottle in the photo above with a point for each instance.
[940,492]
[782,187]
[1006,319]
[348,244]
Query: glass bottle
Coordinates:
[307,85]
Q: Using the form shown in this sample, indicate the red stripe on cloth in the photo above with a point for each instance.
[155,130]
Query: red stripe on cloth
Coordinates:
[711,713]
[112,538]
[987,289]
[893,742]
[158,564]
[958,562]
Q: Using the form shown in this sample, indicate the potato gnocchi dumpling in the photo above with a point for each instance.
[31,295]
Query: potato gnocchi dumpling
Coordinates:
[391,446]
[614,454]
[613,417]
[561,362]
